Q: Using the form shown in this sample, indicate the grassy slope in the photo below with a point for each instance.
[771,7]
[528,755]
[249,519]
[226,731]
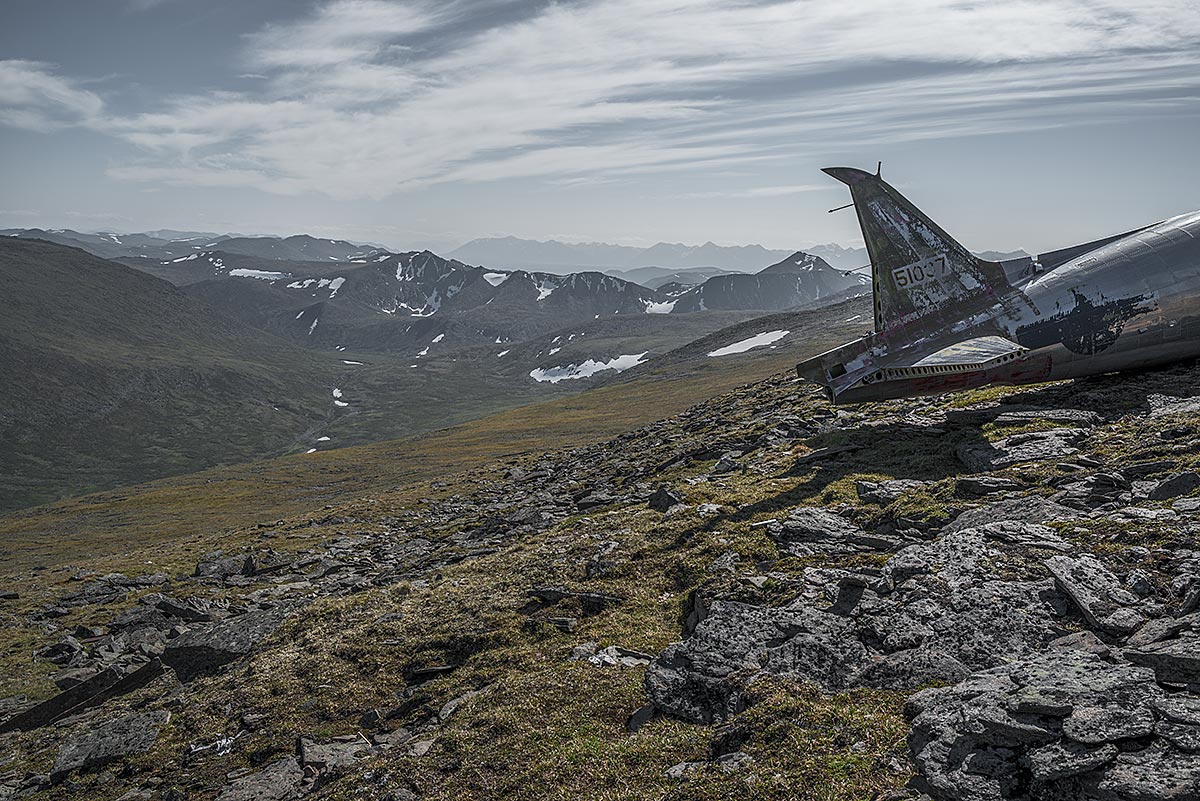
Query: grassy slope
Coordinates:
[226,498]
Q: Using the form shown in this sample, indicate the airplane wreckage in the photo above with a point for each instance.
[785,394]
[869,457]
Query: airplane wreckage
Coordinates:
[947,320]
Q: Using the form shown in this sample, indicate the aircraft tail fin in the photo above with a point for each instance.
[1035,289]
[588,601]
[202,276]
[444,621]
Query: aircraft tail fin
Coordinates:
[923,279]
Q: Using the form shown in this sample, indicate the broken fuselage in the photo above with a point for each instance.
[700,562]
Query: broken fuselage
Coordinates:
[946,320]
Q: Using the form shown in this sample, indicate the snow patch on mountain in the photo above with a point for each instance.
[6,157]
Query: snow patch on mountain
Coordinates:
[756,341]
[266,275]
[588,368]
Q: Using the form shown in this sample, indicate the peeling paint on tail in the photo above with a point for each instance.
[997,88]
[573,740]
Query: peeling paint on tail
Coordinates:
[923,279]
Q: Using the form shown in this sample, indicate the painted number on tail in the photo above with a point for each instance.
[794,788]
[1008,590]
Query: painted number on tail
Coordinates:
[920,272]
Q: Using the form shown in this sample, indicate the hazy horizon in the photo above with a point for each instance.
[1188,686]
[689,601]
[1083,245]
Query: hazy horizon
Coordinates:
[414,125]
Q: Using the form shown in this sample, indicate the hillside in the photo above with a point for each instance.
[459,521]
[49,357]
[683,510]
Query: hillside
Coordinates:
[112,376]
[743,599]
[801,279]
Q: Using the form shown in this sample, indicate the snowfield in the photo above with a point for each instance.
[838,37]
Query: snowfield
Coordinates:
[588,368]
[266,275]
[756,341]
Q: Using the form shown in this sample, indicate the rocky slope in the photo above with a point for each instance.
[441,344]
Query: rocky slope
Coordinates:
[984,596]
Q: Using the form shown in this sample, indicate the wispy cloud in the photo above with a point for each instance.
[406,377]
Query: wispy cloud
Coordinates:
[32,96]
[763,191]
[364,98]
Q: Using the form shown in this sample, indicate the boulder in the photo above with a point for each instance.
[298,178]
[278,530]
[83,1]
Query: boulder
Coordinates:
[701,679]
[112,681]
[811,529]
[1175,486]
[1063,724]
[1031,509]
[1028,535]
[98,745]
[1032,446]
[281,780]
[1175,661]
[977,486]
[323,757]
[203,650]
[1095,590]
[885,492]
[218,567]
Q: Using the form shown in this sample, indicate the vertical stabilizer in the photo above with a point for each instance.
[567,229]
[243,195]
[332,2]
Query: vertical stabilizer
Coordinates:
[924,281]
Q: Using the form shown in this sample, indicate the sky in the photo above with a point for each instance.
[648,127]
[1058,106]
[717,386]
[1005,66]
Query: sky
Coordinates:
[1013,123]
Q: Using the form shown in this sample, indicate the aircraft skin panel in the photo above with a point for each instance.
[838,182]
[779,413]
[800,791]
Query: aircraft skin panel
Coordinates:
[971,351]
[1128,302]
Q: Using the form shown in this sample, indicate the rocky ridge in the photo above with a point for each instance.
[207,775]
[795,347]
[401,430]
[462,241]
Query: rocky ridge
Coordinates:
[1009,581]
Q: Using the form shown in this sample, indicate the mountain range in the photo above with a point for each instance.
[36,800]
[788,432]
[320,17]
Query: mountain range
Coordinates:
[121,373]
[554,256]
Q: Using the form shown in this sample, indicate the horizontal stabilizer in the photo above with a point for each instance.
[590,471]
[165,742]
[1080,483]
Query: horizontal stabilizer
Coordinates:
[980,353]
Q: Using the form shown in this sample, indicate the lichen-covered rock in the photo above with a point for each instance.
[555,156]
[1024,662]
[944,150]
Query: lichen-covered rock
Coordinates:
[809,530]
[1094,589]
[1064,724]
[1032,446]
[885,492]
[1175,660]
[1022,510]
[702,678]
[938,612]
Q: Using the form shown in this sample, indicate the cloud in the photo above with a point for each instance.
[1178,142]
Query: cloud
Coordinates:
[365,98]
[33,97]
[762,191]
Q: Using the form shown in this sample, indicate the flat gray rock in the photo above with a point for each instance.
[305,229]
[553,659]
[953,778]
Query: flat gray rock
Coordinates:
[1092,588]
[1031,509]
[204,650]
[885,492]
[281,780]
[1175,661]
[810,530]
[1033,446]
[1175,486]
[95,746]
